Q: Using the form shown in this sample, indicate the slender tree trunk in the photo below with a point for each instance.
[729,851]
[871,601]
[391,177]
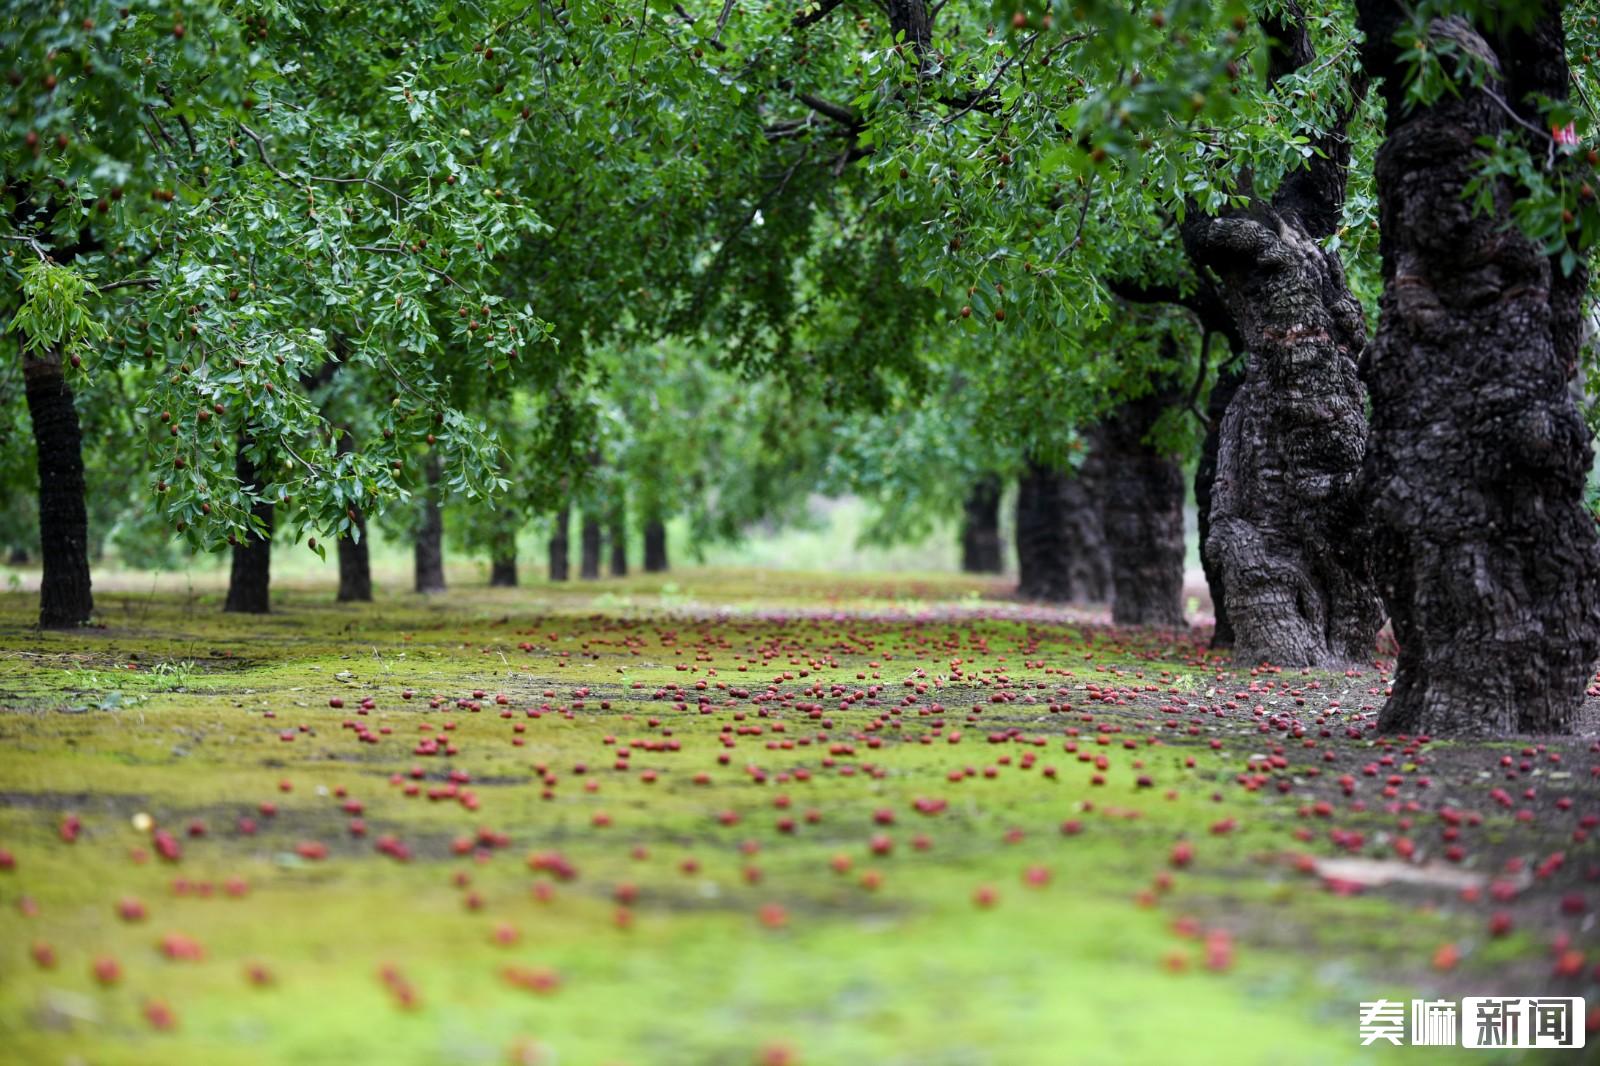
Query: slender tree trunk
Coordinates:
[428,548]
[589,547]
[980,528]
[17,557]
[1282,532]
[355,567]
[1143,515]
[655,546]
[559,555]
[1061,548]
[1488,562]
[250,580]
[617,534]
[503,550]
[65,597]
[1205,473]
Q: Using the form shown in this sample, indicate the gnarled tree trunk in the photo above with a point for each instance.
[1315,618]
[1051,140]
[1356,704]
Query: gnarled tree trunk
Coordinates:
[1282,531]
[1142,511]
[655,546]
[1061,549]
[355,566]
[250,579]
[1205,472]
[559,564]
[980,528]
[428,545]
[65,596]
[1476,467]
[589,547]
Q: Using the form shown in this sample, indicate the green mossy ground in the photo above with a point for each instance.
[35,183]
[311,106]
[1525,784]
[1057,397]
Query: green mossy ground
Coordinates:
[164,711]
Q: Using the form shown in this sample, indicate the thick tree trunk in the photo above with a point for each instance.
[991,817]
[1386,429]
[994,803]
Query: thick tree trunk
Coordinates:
[1476,467]
[1296,579]
[1205,473]
[428,547]
[1061,551]
[17,557]
[617,534]
[655,546]
[355,566]
[1143,515]
[589,547]
[980,528]
[65,597]
[560,567]
[250,579]
[503,572]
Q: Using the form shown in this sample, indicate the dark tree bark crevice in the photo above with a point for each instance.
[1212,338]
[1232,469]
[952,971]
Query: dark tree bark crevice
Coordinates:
[1142,512]
[250,578]
[1061,548]
[428,542]
[589,547]
[1475,472]
[66,598]
[559,550]
[981,546]
[655,546]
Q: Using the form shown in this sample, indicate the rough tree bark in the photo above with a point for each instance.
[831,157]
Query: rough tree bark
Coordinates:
[1142,512]
[655,546]
[560,568]
[1205,472]
[1061,549]
[1297,581]
[355,566]
[428,544]
[589,547]
[1475,470]
[250,579]
[980,528]
[65,596]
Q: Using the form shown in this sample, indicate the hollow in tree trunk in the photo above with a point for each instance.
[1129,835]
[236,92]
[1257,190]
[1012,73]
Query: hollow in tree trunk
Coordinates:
[655,546]
[1142,512]
[428,546]
[559,555]
[65,598]
[250,580]
[1061,549]
[1205,472]
[355,566]
[980,528]
[1282,531]
[589,547]
[1475,471]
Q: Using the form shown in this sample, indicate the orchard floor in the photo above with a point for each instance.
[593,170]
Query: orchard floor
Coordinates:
[859,820]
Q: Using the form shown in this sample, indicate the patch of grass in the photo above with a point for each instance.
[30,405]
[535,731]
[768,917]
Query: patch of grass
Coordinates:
[760,910]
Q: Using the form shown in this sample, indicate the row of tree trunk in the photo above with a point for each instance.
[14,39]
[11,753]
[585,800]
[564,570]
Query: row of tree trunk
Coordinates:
[593,535]
[1109,530]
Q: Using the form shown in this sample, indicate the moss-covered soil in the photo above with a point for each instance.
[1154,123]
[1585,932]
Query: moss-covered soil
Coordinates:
[738,819]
